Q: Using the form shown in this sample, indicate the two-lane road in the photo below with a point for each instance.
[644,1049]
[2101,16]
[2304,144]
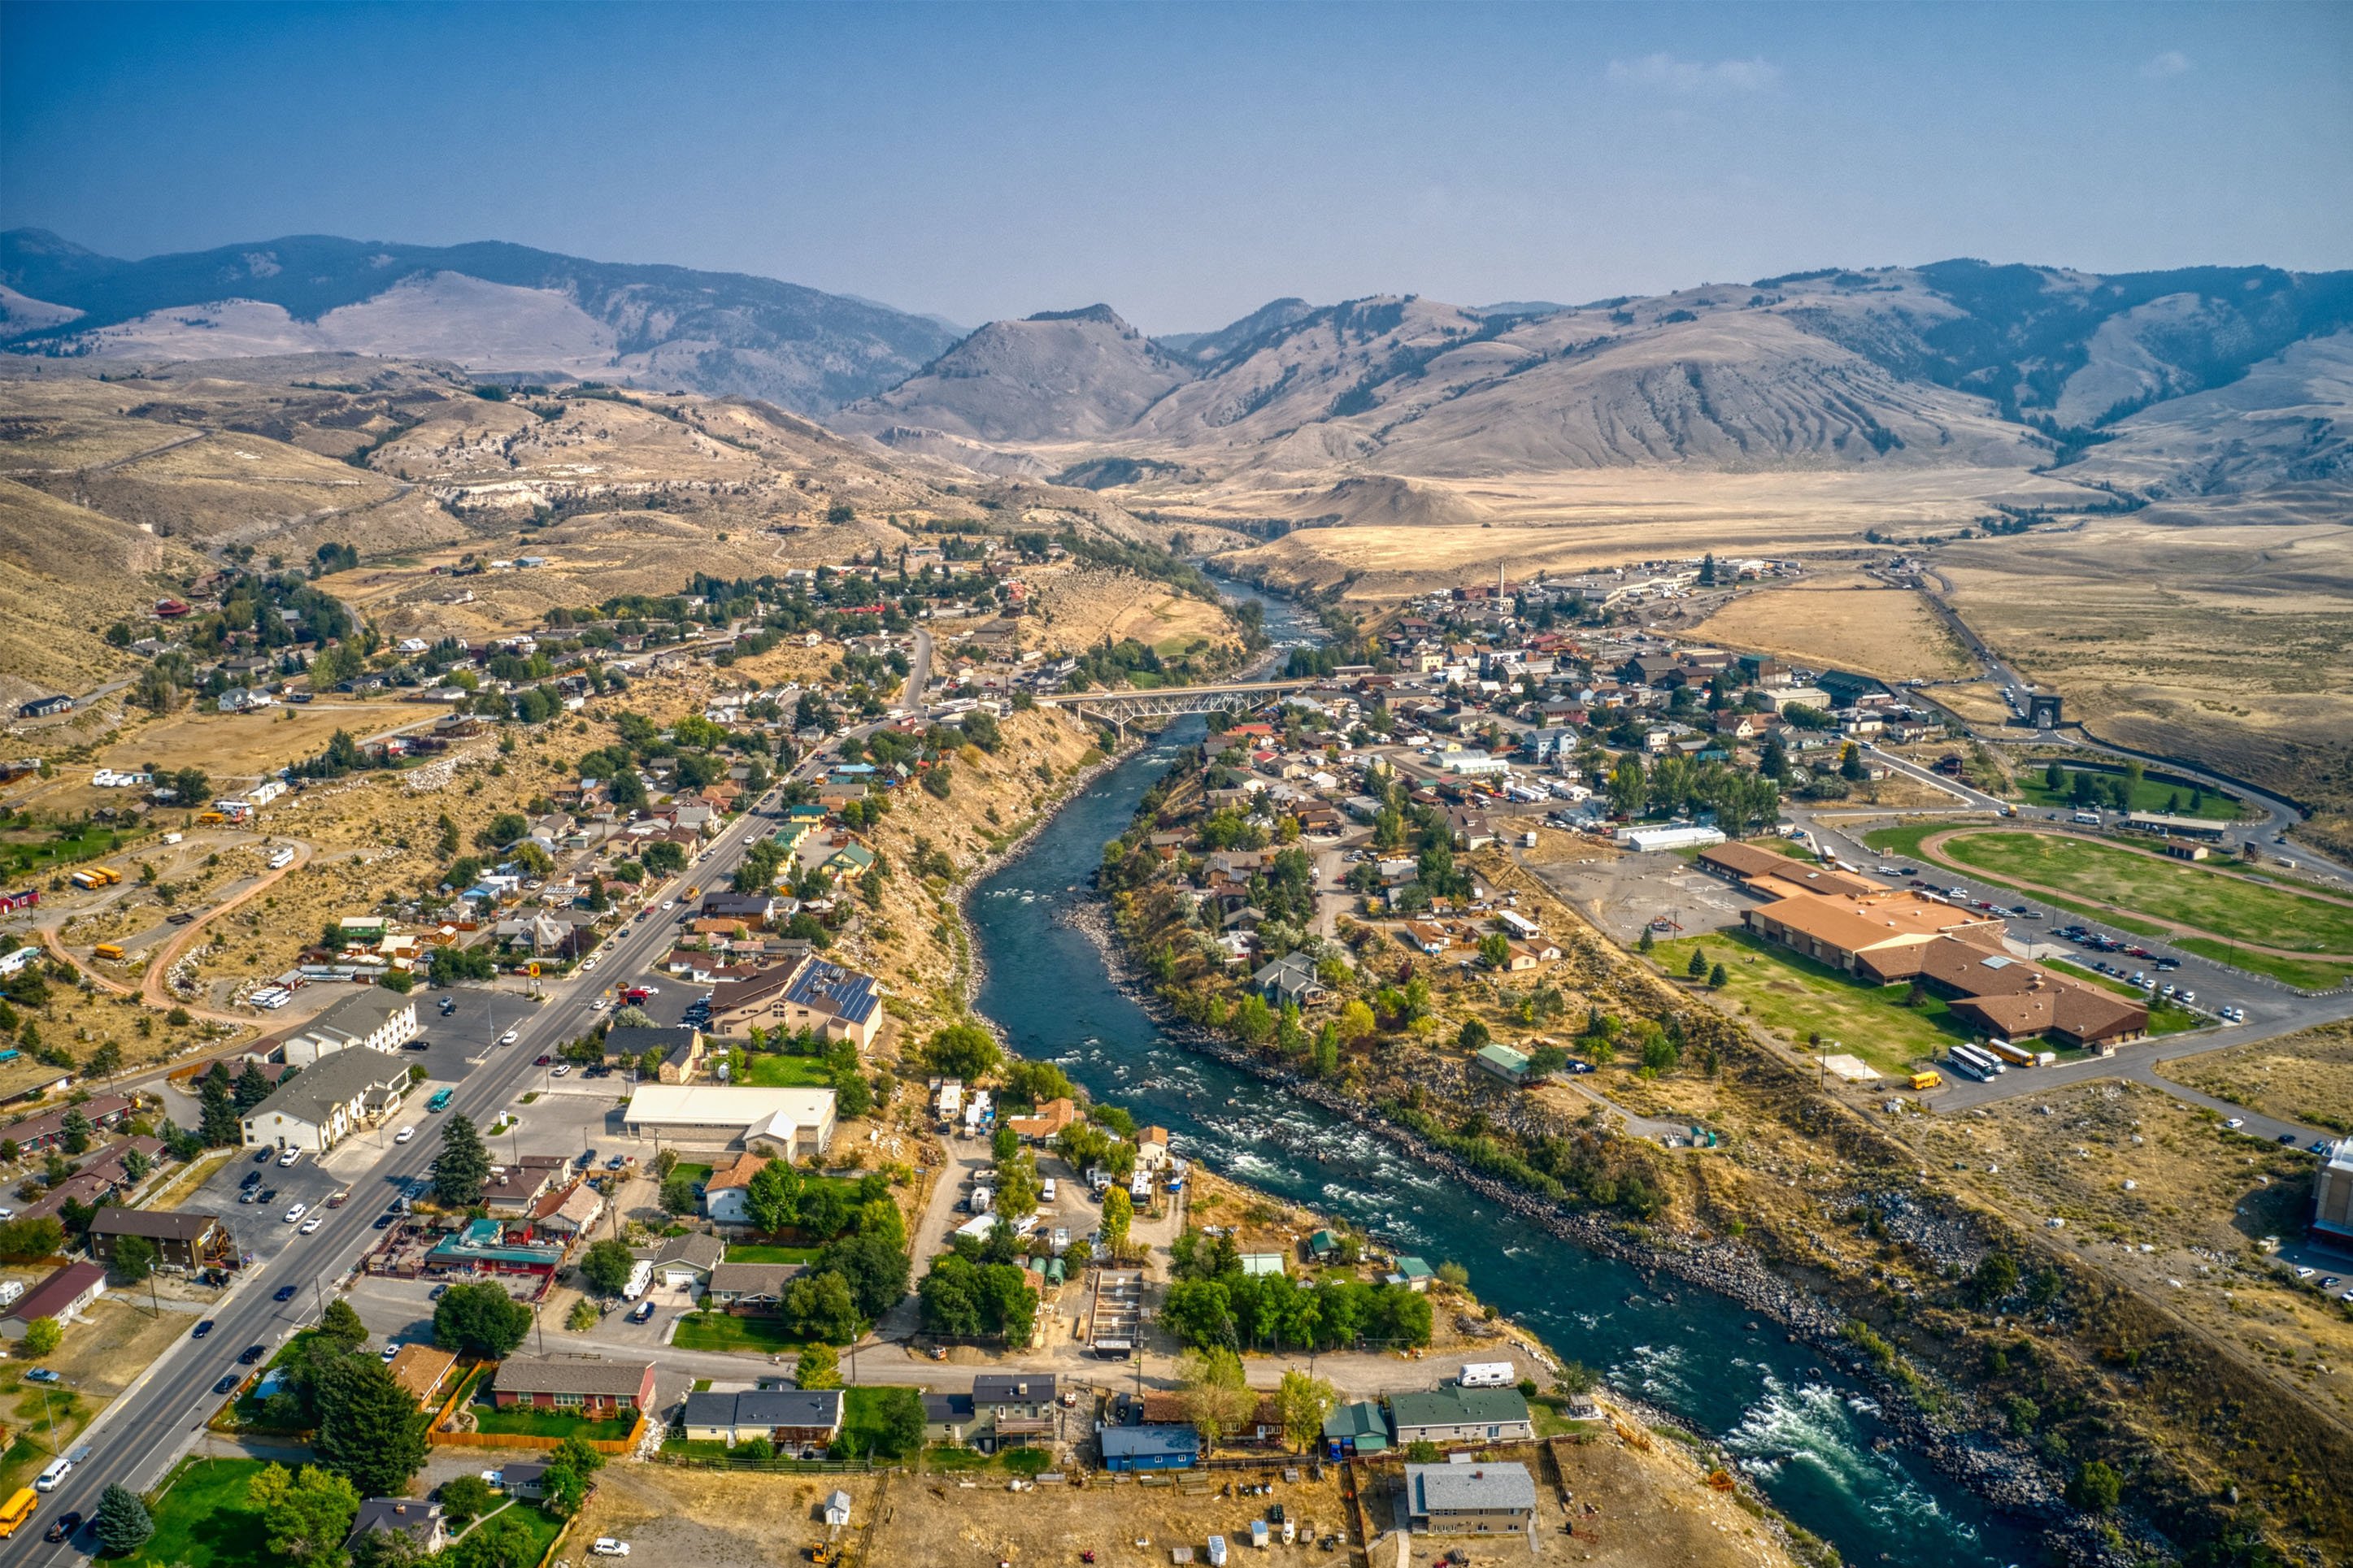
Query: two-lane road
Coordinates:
[136,1440]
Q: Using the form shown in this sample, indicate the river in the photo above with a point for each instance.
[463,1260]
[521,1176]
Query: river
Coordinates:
[1806,1437]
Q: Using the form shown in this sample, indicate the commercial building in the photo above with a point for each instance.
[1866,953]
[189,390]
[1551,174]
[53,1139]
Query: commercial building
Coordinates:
[2332,1194]
[379,1019]
[585,1386]
[1648,841]
[182,1239]
[1486,1498]
[324,1104]
[787,1121]
[1845,930]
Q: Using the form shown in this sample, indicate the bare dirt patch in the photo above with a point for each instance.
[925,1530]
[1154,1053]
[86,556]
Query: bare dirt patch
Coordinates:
[1842,621]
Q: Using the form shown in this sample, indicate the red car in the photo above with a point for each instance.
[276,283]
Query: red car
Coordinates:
[541,1061]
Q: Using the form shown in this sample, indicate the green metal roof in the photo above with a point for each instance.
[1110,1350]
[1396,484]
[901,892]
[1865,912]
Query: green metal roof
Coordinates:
[1454,1406]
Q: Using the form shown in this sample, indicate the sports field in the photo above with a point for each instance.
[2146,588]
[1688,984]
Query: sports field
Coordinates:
[2224,904]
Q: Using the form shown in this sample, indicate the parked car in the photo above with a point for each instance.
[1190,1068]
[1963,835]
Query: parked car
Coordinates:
[448,1006]
[43,1374]
[252,1179]
[261,1156]
[561,1069]
[288,1157]
[606,1546]
[384,1221]
[644,1310]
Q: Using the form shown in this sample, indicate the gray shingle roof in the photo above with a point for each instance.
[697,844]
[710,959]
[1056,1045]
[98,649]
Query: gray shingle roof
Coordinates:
[1469,1489]
[332,1080]
[563,1375]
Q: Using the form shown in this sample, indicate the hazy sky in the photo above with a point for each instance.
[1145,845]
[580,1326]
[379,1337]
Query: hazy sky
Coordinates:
[1187,163]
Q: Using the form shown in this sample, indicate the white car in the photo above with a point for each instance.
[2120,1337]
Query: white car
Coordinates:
[297,1212]
[598,1005]
[2235,1122]
[288,1157]
[606,1546]
[669,904]
[587,966]
[560,1069]
[509,1037]
[389,1352]
[403,1135]
[314,1223]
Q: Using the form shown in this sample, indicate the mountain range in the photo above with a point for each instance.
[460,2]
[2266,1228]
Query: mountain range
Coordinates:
[489,307]
[2170,385]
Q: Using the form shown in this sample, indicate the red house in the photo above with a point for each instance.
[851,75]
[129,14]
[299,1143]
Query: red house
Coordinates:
[613,1389]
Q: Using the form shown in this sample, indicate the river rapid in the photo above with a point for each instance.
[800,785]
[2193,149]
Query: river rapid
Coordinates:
[1805,1435]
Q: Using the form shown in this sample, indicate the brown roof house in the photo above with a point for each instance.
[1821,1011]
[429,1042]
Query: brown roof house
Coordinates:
[182,1239]
[586,1384]
[61,1296]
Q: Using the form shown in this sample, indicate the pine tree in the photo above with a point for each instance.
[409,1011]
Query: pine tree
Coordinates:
[123,1524]
[252,1089]
[1718,978]
[1647,942]
[220,1125]
[462,1167]
[370,1430]
[1698,965]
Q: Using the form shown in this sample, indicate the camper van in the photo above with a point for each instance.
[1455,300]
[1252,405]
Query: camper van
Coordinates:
[1486,1374]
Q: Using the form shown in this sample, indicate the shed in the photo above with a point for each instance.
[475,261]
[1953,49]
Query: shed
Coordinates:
[837,1507]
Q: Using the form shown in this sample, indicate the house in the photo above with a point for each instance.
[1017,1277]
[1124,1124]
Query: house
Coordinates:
[514,1190]
[685,1262]
[1359,1428]
[523,1479]
[1152,1148]
[1502,1061]
[1415,1273]
[1323,1245]
[585,1386]
[61,1296]
[947,1417]
[1482,1498]
[569,1211]
[1430,939]
[1150,1447]
[379,1019]
[1048,1124]
[1289,979]
[1453,1414]
[747,1288]
[422,1370]
[682,1048]
[782,1121]
[419,1520]
[1013,1408]
[726,1195]
[182,1239]
[797,1420]
[324,1104]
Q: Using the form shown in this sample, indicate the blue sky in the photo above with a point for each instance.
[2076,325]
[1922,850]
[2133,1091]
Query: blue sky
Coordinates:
[1187,163]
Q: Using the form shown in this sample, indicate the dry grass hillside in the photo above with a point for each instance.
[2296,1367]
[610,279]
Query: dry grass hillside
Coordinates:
[66,575]
[1846,621]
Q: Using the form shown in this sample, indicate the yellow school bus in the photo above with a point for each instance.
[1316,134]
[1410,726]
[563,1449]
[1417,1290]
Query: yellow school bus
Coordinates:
[110,950]
[20,1509]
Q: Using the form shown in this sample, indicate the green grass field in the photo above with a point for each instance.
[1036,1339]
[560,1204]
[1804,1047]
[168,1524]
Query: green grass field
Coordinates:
[767,1071]
[526,1423]
[2228,905]
[202,1520]
[760,1252]
[2173,799]
[861,1423]
[1904,843]
[1785,991]
[722,1331]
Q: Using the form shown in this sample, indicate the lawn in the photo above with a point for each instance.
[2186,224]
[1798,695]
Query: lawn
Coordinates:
[861,1423]
[2228,905]
[545,1527]
[2149,795]
[202,1520]
[725,1331]
[779,1071]
[1904,843]
[1785,991]
[521,1422]
[698,1174]
[760,1252]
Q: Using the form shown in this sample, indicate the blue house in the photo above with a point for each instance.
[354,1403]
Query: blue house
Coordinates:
[1154,1447]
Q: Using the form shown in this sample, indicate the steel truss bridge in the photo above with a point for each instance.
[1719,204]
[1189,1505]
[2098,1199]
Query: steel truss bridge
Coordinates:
[1117,708]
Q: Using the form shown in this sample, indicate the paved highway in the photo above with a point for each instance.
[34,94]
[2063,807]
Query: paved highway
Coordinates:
[136,1440]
